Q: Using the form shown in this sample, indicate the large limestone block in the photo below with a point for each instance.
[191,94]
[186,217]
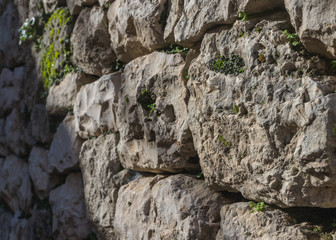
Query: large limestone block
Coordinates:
[15,187]
[10,89]
[50,5]
[175,207]
[135,27]
[38,170]
[237,222]
[315,23]
[99,162]
[64,148]
[90,40]
[61,98]
[154,133]
[68,207]
[199,16]
[11,55]
[16,134]
[96,106]
[40,128]
[266,132]
[5,223]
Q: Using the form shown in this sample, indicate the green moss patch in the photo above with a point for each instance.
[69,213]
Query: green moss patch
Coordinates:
[232,65]
[56,53]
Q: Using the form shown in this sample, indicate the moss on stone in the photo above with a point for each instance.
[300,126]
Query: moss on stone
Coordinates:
[56,55]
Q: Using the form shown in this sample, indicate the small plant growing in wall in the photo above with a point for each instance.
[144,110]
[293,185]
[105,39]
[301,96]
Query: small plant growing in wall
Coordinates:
[28,30]
[293,38]
[233,65]
[174,48]
[243,16]
[259,207]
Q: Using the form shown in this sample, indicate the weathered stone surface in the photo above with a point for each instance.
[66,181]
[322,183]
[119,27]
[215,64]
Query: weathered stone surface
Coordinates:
[38,170]
[267,127]
[99,162]
[11,55]
[136,27]
[10,89]
[199,16]
[237,222]
[61,98]
[175,207]
[155,138]
[5,226]
[15,188]
[91,45]
[15,132]
[50,5]
[4,151]
[21,228]
[40,128]
[65,148]
[315,23]
[68,207]
[74,6]
[96,106]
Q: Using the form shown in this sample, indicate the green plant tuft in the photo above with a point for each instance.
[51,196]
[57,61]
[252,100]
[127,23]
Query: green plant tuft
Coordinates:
[235,109]
[174,48]
[233,65]
[243,16]
[259,207]
[293,38]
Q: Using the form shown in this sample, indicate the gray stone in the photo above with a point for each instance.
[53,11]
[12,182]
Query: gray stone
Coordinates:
[38,170]
[174,207]
[68,207]
[315,23]
[200,16]
[90,40]
[135,27]
[61,98]
[10,89]
[237,222]
[99,163]
[5,220]
[50,5]
[40,128]
[15,188]
[152,116]
[96,106]
[265,133]
[64,148]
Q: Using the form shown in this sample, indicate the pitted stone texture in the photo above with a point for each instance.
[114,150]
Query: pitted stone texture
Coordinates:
[262,133]
[65,148]
[15,188]
[315,23]
[91,45]
[40,128]
[16,134]
[61,98]
[68,208]
[135,27]
[38,170]
[199,16]
[11,55]
[175,207]
[50,5]
[5,226]
[10,89]
[96,106]
[237,222]
[156,139]
[99,162]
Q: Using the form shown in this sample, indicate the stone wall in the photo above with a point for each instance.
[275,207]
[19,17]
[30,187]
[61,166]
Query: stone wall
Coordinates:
[167,119]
